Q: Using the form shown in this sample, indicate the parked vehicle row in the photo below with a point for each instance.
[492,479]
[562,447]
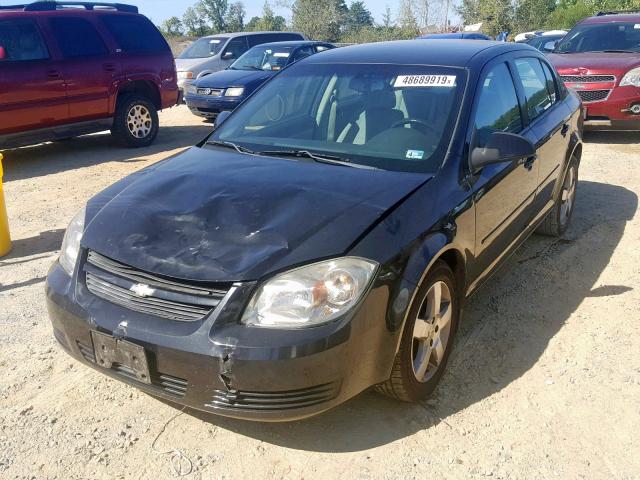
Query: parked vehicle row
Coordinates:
[323,239]
[71,71]
[225,90]
[216,52]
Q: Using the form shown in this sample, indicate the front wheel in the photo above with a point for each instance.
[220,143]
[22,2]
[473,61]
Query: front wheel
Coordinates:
[557,221]
[136,121]
[427,338]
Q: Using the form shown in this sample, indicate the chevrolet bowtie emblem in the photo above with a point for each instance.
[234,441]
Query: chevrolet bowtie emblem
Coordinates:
[142,290]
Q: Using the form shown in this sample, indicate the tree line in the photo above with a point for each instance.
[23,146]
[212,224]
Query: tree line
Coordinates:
[327,20]
[517,16]
[335,21]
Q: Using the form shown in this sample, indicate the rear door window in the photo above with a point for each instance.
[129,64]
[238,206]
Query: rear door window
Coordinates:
[77,38]
[20,40]
[534,83]
[135,34]
[498,108]
[551,83]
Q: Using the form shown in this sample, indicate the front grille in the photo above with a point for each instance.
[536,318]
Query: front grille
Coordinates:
[172,385]
[265,401]
[593,95]
[588,78]
[214,92]
[86,351]
[148,293]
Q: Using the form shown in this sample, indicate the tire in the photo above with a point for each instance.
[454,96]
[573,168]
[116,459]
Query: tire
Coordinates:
[403,384]
[558,219]
[136,121]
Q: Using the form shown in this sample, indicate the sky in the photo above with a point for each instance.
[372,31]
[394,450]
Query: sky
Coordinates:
[160,10]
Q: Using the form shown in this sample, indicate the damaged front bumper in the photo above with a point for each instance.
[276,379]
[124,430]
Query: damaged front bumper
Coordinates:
[221,366]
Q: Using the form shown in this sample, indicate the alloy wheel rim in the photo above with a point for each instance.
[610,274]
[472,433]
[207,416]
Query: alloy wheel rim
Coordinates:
[431,332]
[139,121]
[568,195]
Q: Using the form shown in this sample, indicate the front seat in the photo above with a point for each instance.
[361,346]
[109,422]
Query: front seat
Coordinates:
[379,114]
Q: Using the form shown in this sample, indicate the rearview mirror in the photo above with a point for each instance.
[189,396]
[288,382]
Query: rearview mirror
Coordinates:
[550,46]
[228,56]
[501,147]
[222,116]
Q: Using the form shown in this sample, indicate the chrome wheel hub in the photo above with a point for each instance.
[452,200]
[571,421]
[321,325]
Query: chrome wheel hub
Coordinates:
[568,195]
[431,332]
[139,121]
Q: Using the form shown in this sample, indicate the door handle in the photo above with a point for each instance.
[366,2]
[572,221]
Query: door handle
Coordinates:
[528,163]
[53,74]
[565,129]
[109,67]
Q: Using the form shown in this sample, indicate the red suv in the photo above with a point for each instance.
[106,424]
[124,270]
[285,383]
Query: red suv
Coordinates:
[600,59]
[72,68]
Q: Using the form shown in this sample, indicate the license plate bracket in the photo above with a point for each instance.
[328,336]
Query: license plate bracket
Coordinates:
[110,350]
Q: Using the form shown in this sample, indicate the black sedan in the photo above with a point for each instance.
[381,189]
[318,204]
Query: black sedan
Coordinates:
[323,239]
[225,90]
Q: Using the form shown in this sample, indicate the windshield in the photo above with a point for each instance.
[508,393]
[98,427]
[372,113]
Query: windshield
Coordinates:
[204,48]
[263,58]
[598,37]
[393,117]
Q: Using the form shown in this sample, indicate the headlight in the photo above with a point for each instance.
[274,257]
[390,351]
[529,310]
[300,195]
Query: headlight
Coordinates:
[234,92]
[310,295]
[185,75]
[71,243]
[632,77]
[192,89]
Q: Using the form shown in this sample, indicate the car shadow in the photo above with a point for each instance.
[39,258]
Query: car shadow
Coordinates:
[85,151]
[45,242]
[610,137]
[506,328]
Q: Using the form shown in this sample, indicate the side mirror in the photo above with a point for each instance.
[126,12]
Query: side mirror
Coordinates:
[222,116]
[550,46]
[501,147]
[228,56]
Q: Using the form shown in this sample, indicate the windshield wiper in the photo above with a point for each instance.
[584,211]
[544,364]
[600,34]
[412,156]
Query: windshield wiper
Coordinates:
[617,51]
[222,143]
[320,158]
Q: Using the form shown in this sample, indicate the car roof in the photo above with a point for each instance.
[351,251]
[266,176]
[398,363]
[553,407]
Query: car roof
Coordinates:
[292,43]
[242,34]
[612,17]
[452,53]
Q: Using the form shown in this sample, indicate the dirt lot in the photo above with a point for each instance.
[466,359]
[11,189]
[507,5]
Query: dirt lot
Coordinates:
[544,382]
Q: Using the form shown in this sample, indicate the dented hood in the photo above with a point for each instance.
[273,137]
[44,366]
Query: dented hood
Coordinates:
[214,215]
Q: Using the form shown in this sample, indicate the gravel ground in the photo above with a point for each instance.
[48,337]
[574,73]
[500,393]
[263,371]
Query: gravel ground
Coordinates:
[544,382]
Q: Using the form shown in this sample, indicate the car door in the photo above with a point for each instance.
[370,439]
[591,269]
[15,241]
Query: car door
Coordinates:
[87,66]
[32,88]
[503,193]
[549,119]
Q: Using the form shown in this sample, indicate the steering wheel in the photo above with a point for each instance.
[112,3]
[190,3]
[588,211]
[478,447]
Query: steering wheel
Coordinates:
[415,121]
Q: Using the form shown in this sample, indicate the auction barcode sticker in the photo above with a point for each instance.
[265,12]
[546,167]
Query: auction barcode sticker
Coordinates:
[448,81]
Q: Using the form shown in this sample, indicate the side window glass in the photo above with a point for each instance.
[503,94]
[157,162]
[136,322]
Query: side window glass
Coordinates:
[77,38]
[21,41]
[237,46]
[551,84]
[535,86]
[135,34]
[302,53]
[498,108]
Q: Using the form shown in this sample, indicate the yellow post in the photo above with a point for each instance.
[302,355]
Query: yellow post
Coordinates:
[5,238]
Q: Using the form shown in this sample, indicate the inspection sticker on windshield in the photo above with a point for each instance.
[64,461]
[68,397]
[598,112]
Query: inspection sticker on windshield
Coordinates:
[415,154]
[447,81]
